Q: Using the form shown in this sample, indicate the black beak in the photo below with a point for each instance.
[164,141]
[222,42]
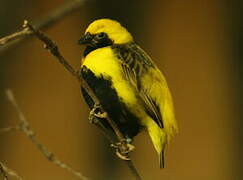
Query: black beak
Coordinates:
[86,39]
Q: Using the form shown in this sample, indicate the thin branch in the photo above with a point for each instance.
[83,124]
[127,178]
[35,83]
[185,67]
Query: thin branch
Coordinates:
[50,19]
[5,171]
[24,126]
[8,129]
[123,146]
[14,36]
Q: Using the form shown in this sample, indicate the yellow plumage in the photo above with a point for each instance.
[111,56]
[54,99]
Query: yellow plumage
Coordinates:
[139,84]
[107,66]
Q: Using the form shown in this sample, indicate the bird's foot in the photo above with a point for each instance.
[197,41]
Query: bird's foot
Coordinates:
[95,113]
[123,149]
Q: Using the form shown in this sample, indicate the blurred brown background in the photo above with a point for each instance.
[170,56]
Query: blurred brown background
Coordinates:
[197,44]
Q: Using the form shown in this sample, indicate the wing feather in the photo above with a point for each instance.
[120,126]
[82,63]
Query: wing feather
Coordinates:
[135,63]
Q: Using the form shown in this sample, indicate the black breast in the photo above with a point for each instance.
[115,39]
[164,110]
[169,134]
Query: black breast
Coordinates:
[112,104]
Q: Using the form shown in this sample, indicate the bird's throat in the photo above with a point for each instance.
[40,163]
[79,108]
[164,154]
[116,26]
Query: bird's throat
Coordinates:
[97,44]
[88,49]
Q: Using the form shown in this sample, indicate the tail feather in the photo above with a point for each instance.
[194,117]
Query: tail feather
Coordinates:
[161,160]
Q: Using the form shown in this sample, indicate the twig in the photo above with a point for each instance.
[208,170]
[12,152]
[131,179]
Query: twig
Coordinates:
[5,171]
[8,129]
[25,128]
[53,49]
[14,36]
[48,20]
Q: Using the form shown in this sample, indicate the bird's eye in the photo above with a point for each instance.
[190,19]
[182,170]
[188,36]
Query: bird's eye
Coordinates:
[101,35]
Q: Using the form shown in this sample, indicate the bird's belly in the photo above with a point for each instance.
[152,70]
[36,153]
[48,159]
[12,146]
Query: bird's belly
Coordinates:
[117,98]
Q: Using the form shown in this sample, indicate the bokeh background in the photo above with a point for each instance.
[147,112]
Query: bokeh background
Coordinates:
[197,44]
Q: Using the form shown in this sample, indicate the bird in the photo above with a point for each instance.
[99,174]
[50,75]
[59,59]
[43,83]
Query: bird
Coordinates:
[127,82]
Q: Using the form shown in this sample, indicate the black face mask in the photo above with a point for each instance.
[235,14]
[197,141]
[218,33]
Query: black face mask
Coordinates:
[94,41]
